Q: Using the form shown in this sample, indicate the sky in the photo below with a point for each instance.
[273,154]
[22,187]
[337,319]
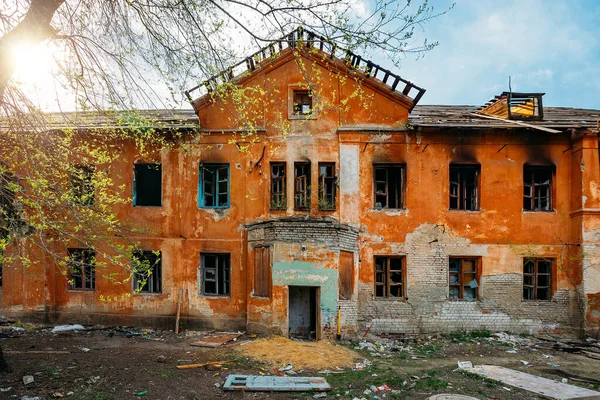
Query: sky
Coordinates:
[549,46]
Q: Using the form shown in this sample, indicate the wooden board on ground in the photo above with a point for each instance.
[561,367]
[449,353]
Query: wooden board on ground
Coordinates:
[256,383]
[216,340]
[535,384]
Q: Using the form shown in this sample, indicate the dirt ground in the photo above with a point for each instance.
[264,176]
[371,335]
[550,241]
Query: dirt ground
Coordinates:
[120,363]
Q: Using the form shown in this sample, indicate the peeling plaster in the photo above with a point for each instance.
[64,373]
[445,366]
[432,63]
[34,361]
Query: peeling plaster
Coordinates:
[419,137]
[380,138]
[217,214]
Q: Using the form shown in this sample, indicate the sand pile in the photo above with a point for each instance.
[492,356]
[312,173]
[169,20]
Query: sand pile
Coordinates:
[279,351]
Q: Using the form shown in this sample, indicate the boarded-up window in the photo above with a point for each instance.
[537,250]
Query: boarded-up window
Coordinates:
[346,275]
[262,272]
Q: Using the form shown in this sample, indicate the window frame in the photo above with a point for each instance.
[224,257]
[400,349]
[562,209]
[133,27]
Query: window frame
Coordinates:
[462,187]
[324,181]
[134,185]
[262,251]
[294,89]
[461,277]
[529,171]
[82,185]
[87,267]
[306,194]
[278,200]
[535,278]
[201,192]
[151,279]
[402,185]
[226,282]
[386,277]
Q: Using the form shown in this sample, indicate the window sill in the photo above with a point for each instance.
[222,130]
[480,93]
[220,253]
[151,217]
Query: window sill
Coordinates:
[398,211]
[384,299]
[148,293]
[464,301]
[303,117]
[136,205]
[327,209]
[535,301]
[260,297]
[216,296]
[465,211]
[213,208]
[553,211]
[81,290]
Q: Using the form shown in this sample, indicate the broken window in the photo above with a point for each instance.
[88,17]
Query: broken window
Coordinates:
[214,185]
[389,185]
[389,277]
[537,278]
[464,187]
[215,274]
[81,269]
[346,275]
[147,185]
[82,185]
[302,186]
[147,268]
[537,188]
[262,271]
[463,278]
[302,102]
[278,197]
[327,186]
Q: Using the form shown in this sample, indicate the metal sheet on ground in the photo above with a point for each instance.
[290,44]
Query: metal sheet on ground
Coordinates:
[256,383]
[535,384]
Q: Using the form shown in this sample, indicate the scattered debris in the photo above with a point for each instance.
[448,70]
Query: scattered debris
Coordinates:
[505,338]
[534,384]
[67,328]
[31,398]
[93,379]
[320,395]
[524,362]
[37,352]
[27,379]
[6,389]
[465,364]
[142,393]
[255,383]
[216,340]
[217,364]
[161,359]
[577,378]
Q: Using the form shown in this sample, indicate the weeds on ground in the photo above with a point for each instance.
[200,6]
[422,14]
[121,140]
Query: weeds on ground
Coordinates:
[467,337]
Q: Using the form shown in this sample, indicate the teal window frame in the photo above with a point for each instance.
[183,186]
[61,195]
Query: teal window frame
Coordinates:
[217,170]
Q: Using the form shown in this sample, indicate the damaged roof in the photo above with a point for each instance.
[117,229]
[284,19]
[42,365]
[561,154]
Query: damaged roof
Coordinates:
[464,117]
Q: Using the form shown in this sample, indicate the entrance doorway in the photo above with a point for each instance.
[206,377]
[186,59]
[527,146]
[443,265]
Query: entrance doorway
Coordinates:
[303,306]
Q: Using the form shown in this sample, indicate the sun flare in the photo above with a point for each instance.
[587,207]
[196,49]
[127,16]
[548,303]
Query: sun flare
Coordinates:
[32,63]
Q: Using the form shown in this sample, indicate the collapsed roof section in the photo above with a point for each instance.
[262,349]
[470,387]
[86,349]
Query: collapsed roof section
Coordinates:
[306,40]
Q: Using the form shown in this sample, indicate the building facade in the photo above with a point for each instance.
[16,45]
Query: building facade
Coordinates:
[312,183]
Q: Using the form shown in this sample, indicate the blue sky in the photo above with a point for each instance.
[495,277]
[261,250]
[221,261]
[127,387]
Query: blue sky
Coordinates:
[549,46]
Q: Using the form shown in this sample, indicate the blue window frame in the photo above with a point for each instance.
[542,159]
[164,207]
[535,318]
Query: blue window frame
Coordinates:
[213,186]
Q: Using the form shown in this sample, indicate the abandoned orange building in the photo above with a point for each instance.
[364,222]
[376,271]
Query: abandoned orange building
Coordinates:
[313,183]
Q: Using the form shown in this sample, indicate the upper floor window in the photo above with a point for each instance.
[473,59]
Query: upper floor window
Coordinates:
[82,185]
[389,185]
[303,102]
[327,186]
[147,267]
[464,187]
[389,277]
[463,278]
[537,188]
[147,185]
[216,274]
[278,197]
[302,185]
[214,186]
[81,269]
[537,275]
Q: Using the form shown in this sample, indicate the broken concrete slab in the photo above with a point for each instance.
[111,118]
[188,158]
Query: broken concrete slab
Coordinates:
[445,396]
[256,383]
[216,340]
[535,384]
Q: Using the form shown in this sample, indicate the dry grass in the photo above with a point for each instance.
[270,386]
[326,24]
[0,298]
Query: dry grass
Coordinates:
[279,351]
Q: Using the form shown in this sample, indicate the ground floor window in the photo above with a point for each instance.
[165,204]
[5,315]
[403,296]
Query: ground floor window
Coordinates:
[147,271]
[81,269]
[463,278]
[216,273]
[389,277]
[537,275]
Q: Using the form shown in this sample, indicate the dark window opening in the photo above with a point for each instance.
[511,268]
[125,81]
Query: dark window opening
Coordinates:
[147,185]
[302,186]
[302,102]
[389,186]
[278,196]
[147,268]
[464,187]
[537,188]
[262,271]
[214,185]
[216,274]
[82,185]
[537,279]
[81,269]
[327,186]
[389,277]
[463,279]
